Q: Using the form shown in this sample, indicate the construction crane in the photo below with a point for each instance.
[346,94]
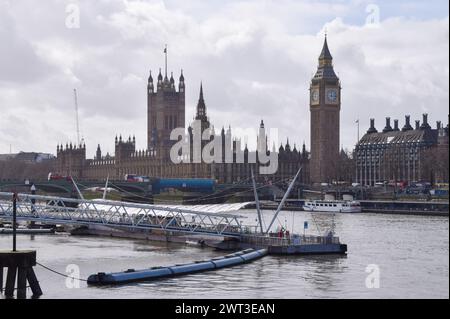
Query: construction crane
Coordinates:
[76,114]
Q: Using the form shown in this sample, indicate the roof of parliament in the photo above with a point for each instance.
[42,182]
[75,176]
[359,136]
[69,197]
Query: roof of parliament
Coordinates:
[421,133]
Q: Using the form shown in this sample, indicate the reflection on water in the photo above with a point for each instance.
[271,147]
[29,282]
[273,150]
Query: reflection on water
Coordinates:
[411,251]
[321,271]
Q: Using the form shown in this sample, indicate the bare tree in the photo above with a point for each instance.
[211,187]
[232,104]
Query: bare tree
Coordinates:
[18,171]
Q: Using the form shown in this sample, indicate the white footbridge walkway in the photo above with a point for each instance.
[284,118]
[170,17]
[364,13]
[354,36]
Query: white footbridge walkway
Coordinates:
[214,220]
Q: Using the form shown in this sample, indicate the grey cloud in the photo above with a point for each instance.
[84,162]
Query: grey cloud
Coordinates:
[19,62]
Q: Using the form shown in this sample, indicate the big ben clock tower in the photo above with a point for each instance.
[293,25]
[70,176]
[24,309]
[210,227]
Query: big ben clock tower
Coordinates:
[325,107]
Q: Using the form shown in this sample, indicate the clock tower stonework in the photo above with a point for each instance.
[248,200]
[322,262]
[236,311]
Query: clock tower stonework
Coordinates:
[325,107]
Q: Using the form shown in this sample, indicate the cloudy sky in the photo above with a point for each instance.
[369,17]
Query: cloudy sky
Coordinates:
[255,58]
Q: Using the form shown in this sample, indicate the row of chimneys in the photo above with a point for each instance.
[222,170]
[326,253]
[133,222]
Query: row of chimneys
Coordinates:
[406,127]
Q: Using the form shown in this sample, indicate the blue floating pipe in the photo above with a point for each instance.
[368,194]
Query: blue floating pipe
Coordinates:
[154,273]
[228,262]
[250,256]
[186,269]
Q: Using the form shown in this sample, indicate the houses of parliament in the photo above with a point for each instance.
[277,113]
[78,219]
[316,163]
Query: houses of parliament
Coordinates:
[166,102]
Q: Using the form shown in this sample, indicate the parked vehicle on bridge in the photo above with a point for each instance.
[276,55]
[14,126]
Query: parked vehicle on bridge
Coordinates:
[400,184]
[418,188]
[56,177]
[137,179]
[439,192]
[381,184]
[440,189]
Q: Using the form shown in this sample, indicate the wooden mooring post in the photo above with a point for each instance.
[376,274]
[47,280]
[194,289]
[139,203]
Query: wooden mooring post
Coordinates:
[20,265]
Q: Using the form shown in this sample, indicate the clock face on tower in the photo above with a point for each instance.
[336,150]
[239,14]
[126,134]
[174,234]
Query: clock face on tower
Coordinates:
[332,95]
[315,96]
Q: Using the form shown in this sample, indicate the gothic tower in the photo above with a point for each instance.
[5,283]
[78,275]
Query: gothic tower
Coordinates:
[201,111]
[166,111]
[325,107]
[98,154]
[202,118]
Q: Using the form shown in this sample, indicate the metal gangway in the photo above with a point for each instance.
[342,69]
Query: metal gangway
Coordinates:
[214,220]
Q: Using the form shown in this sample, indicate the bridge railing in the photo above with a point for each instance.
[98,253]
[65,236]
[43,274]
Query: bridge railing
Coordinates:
[57,210]
[264,241]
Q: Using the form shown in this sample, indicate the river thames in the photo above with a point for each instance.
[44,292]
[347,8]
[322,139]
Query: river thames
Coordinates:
[410,252]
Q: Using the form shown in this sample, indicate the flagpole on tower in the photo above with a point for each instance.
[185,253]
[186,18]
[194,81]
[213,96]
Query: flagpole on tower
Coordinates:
[357,122]
[165,52]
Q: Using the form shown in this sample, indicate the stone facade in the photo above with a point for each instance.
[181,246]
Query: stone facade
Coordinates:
[155,161]
[165,111]
[407,154]
[71,160]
